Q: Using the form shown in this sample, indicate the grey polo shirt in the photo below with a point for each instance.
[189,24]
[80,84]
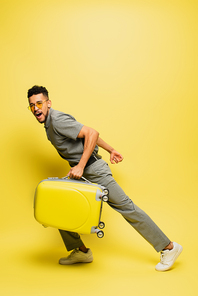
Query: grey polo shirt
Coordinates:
[62,131]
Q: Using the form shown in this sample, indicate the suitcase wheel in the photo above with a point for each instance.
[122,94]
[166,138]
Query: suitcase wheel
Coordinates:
[105,198]
[101,225]
[105,191]
[100,233]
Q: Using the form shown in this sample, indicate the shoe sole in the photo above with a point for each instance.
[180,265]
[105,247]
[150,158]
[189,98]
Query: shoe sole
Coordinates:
[71,263]
[176,256]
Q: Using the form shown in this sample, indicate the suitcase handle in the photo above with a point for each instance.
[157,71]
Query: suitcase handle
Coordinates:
[83,178]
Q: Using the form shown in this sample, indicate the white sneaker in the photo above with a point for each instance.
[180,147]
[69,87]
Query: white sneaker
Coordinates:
[168,257]
[77,256]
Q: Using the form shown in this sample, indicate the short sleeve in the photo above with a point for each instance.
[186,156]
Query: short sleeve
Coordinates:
[66,125]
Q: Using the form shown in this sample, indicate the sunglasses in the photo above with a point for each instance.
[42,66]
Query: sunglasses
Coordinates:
[38,104]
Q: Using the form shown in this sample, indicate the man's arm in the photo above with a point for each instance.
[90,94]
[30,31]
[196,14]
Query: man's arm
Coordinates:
[90,139]
[115,156]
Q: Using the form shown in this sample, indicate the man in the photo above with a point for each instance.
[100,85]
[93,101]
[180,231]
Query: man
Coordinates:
[78,144]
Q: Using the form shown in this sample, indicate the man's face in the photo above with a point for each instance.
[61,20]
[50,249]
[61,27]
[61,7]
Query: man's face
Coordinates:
[41,111]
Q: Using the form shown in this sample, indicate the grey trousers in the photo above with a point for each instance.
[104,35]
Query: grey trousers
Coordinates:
[99,172]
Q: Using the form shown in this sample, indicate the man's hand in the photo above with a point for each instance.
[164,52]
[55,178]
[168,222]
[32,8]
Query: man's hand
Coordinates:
[115,157]
[76,172]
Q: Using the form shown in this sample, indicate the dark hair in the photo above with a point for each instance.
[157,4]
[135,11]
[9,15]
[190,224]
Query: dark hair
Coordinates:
[35,90]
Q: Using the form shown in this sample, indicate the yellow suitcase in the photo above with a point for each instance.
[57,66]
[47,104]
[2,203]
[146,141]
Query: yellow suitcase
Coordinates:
[70,205]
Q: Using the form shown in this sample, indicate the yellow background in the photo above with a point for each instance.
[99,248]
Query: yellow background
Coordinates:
[128,69]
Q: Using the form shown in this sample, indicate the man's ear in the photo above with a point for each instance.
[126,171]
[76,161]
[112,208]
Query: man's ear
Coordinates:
[49,104]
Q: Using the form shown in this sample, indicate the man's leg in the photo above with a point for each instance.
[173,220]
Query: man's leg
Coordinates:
[136,217]
[71,240]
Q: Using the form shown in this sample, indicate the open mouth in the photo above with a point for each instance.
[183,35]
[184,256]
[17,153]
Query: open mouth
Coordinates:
[38,115]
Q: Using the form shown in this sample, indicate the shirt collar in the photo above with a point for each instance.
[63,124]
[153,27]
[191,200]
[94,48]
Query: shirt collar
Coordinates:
[47,123]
